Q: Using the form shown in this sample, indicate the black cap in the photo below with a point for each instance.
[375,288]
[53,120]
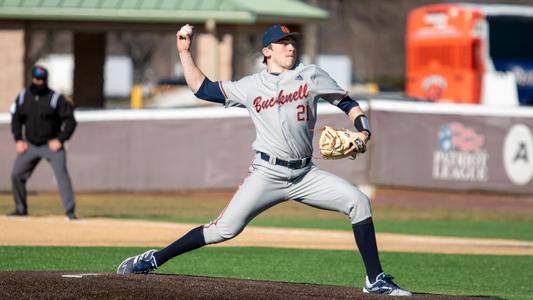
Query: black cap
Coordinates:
[39,72]
[276,33]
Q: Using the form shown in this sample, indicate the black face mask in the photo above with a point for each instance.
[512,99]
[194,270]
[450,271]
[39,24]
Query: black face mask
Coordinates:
[40,89]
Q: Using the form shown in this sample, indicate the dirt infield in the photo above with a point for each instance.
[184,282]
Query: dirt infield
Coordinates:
[57,231]
[68,285]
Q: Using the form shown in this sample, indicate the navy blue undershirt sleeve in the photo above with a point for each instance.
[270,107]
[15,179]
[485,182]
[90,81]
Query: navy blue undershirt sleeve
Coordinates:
[347,103]
[210,91]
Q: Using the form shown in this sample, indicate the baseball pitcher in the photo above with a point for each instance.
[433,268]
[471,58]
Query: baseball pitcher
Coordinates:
[282,102]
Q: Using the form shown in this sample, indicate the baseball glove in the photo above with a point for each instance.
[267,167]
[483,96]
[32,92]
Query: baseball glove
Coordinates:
[337,144]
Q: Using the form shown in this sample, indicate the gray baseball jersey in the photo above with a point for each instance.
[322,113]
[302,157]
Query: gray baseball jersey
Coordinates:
[283,107]
[283,110]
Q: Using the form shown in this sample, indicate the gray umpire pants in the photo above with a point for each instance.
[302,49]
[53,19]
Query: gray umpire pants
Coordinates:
[24,166]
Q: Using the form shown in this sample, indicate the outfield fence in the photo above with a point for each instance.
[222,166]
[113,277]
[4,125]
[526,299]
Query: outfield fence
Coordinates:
[422,145]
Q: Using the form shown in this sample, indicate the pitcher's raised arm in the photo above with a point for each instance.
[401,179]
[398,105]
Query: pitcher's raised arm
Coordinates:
[193,75]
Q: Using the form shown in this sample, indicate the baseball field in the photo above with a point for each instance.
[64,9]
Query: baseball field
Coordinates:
[439,245]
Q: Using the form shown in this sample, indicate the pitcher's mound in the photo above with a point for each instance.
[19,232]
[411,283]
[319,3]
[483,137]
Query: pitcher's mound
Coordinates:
[79,285]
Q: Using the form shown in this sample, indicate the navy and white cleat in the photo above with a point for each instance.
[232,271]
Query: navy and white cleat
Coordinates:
[385,286]
[141,264]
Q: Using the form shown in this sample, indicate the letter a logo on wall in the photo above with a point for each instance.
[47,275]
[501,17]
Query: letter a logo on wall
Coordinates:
[518,154]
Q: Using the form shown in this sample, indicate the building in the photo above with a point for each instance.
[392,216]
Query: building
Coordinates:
[228,32]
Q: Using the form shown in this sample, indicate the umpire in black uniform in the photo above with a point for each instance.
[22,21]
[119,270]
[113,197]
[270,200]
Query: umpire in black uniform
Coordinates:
[42,120]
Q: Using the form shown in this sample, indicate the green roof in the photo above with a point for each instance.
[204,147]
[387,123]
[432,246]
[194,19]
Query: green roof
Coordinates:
[159,11]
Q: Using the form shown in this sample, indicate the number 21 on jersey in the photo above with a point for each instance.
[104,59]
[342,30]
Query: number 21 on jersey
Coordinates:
[302,112]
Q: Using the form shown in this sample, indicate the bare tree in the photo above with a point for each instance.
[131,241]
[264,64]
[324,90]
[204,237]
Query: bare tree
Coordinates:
[39,44]
[140,47]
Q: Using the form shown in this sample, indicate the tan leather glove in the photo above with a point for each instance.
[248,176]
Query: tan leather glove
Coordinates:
[338,144]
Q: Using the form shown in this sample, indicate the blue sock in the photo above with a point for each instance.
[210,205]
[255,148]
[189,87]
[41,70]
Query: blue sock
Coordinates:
[365,238]
[194,239]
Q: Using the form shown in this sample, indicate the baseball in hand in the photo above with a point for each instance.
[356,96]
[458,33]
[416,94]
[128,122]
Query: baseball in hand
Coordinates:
[185,30]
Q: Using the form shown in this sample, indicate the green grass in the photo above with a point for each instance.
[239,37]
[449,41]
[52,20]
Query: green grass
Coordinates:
[201,208]
[508,277]
[517,230]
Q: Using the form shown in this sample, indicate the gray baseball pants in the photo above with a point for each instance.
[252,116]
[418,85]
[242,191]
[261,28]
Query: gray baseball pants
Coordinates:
[23,168]
[268,185]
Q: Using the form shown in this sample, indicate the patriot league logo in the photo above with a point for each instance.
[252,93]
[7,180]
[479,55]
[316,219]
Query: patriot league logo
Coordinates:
[460,155]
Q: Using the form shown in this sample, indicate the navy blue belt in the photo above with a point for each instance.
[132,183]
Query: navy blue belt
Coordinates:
[291,164]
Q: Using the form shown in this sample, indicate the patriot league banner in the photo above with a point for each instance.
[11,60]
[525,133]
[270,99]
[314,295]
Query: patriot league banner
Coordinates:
[461,147]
